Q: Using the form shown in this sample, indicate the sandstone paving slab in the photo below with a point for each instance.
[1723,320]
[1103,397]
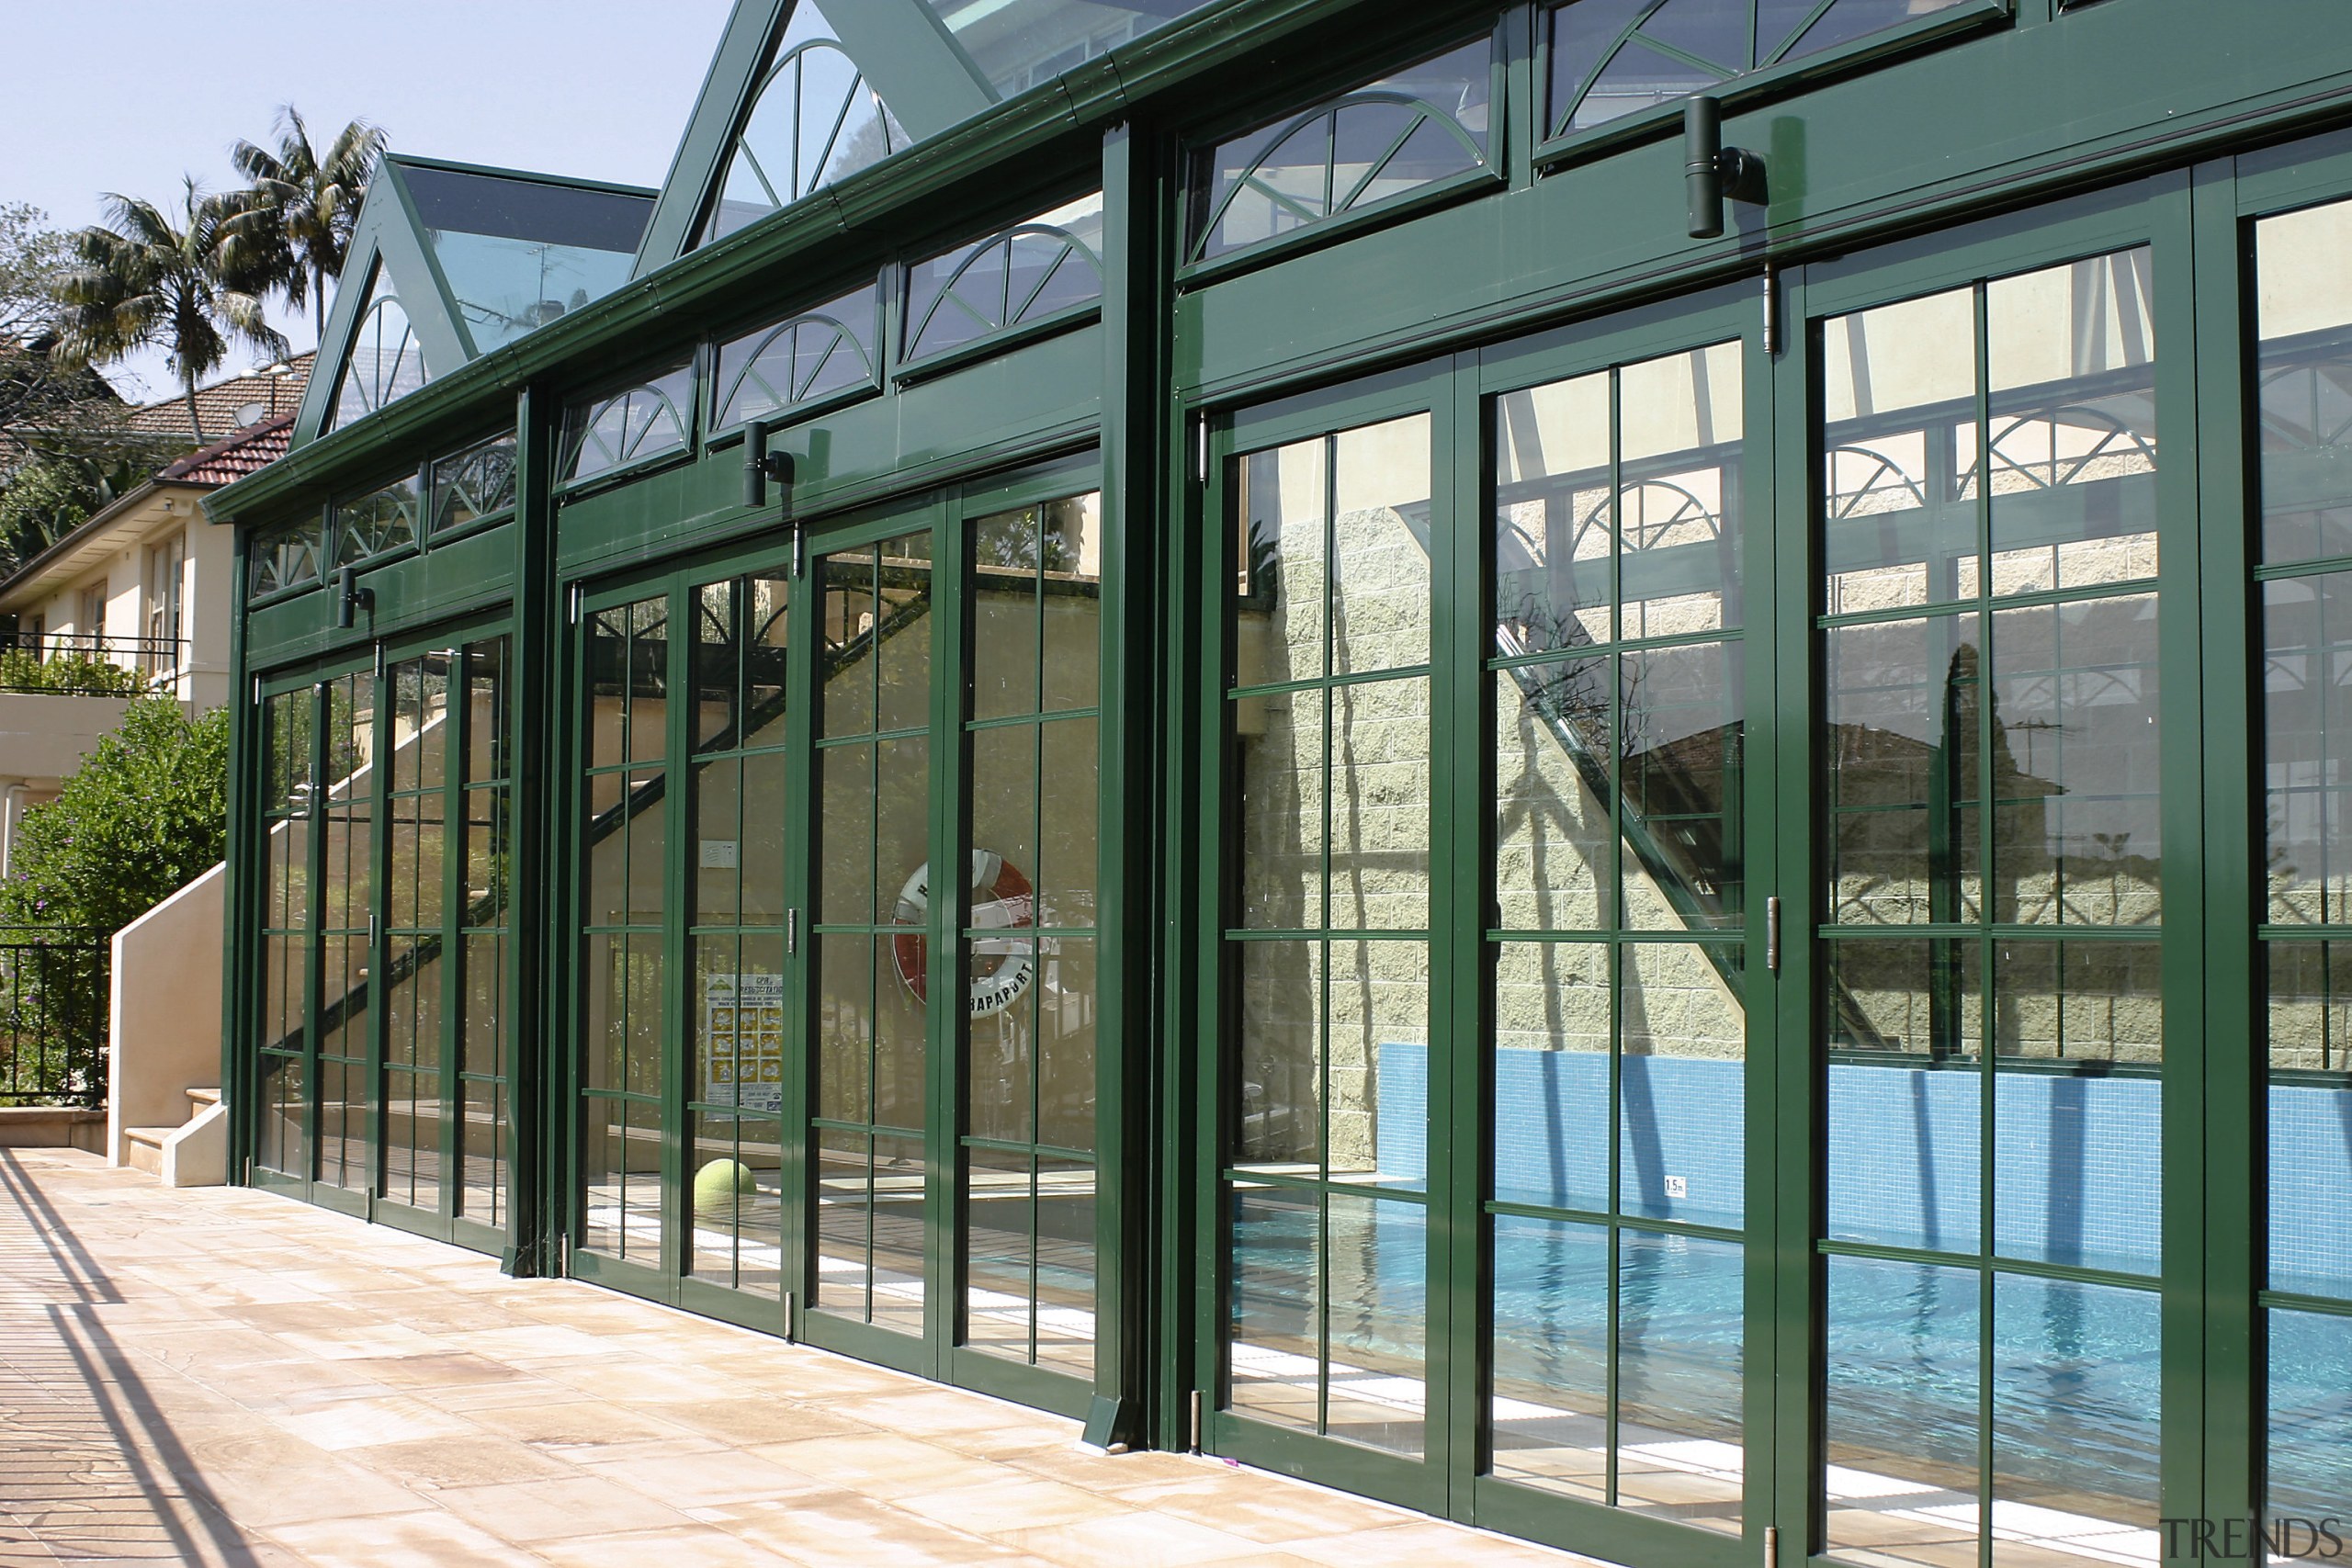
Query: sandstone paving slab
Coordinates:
[227,1377]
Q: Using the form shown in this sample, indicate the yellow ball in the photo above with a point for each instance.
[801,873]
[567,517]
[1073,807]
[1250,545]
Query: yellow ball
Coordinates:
[719,1182]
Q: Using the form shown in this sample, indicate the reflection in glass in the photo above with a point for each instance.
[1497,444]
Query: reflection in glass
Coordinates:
[633,425]
[2075,1396]
[1903,1359]
[1553,784]
[1555,526]
[814,356]
[517,252]
[814,120]
[385,363]
[1411,128]
[1552,1034]
[1032,272]
[1380,764]
[2308,1020]
[1905,1093]
[1020,44]
[1376,1310]
[2309,1464]
[1613,57]
[473,482]
[1903,746]
[2303,380]
[1273,1342]
[2307,738]
[1682,1046]
[1551,1355]
[1680,1394]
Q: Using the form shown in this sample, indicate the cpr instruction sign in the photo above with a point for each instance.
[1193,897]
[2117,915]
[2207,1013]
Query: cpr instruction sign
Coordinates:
[743,1042]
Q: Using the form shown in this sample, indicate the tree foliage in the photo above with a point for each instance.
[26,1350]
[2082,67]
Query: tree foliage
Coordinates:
[291,230]
[152,279]
[145,814]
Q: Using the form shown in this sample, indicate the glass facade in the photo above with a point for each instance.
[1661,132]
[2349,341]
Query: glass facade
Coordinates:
[1350,805]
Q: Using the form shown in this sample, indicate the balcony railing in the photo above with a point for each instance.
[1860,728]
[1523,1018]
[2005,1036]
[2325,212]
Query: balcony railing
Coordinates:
[89,665]
[52,1015]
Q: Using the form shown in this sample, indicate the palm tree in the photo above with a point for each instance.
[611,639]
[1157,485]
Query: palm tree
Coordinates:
[150,281]
[291,232]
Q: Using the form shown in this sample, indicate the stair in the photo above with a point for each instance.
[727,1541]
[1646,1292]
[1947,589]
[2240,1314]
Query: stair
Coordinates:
[191,1155]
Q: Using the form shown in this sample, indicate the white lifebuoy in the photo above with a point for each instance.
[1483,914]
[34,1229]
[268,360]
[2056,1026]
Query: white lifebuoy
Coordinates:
[1002,899]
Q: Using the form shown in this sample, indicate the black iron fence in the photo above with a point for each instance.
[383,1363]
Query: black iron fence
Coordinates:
[54,1000]
[73,663]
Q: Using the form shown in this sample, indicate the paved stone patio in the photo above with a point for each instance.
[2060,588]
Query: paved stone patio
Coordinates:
[217,1376]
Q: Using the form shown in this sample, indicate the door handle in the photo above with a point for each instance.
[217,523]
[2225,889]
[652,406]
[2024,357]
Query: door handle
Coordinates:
[1772,934]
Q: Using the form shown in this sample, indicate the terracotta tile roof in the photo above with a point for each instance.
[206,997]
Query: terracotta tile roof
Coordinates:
[222,403]
[255,446]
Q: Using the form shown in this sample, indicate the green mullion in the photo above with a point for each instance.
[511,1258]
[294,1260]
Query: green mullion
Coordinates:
[1613,921]
[1989,1262]
[1332,681]
[679,713]
[1659,641]
[2004,931]
[1330,444]
[1247,1175]
[2041,598]
[456,847]
[946,1191]
[1037,841]
[1508,1209]
[1456,1372]
[1014,721]
[2296,1301]
[1294,933]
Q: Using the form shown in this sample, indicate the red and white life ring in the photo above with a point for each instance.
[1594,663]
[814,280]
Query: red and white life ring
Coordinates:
[1003,900]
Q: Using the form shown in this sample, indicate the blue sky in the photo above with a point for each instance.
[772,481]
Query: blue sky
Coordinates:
[128,95]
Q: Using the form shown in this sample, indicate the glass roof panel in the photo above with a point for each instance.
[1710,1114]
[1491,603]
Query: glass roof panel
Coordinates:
[1019,43]
[520,253]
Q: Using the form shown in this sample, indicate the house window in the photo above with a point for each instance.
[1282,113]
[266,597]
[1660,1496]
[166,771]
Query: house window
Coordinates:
[90,617]
[167,569]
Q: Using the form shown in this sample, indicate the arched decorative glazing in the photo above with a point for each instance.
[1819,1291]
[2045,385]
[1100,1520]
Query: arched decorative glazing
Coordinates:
[630,427]
[284,558]
[817,354]
[1031,272]
[473,484]
[1402,133]
[814,121]
[386,362]
[1611,57]
[377,523]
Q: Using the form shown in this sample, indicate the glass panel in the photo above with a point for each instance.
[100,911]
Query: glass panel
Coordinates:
[2309,1105]
[898,1232]
[1032,272]
[1380,805]
[1381,597]
[1066,1042]
[1550,1365]
[1551,1094]
[814,356]
[999,1306]
[1069,804]
[815,120]
[1899,1412]
[844,1017]
[1278,1122]
[2076,1395]
[385,363]
[844,1222]
[1376,1263]
[901,641]
[1899,401]
[603,1131]
[1066,1266]
[1679,1384]
[376,524]
[1679,767]
[1406,130]
[1554,523]
[1375,1123]
[1279,761]
[1906,1090]
[1273,1341]
[1021,44]
[2073,358]
[845,891]
[1905,727]
[2309,1468]
[1005,614]
[519,253]
[1683,1085]
[1678,504]
[634,426]
[1553,766]
[2304,382]
[2075,765]
[2079,1154]
[1281,597]
[473,484]
[2307,740]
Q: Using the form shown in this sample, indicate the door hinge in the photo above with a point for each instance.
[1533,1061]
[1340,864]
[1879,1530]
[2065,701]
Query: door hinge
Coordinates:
[374,929]
[571,606]
[1772,311]
[792,931]
[256,691]
[787,1317]
[1771,1546]
[1201,450]
[1772,934]
[1198,1412]
[799,551]
[379,661]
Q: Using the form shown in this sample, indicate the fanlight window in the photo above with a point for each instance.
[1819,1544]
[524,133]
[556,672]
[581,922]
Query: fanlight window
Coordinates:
[822,353]
[1403,133]
[377,523]
[284,558]
[631,427]
[1612,58]
[814,121]
[1034,272]
[473,484]
[386,362]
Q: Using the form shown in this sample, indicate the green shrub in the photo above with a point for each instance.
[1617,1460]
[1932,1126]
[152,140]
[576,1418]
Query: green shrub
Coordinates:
[21,670]
[145,814]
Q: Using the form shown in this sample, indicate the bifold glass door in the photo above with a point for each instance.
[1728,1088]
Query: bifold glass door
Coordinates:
[382,1018]
[1479,812]
[813,1063]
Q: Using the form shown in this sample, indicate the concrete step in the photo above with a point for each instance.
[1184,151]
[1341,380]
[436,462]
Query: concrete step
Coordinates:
[146,1148]
[204,1097]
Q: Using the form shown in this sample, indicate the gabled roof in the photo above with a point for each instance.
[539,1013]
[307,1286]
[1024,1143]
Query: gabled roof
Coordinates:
[248,451]
[224,405]
[450,260]
[926,64]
